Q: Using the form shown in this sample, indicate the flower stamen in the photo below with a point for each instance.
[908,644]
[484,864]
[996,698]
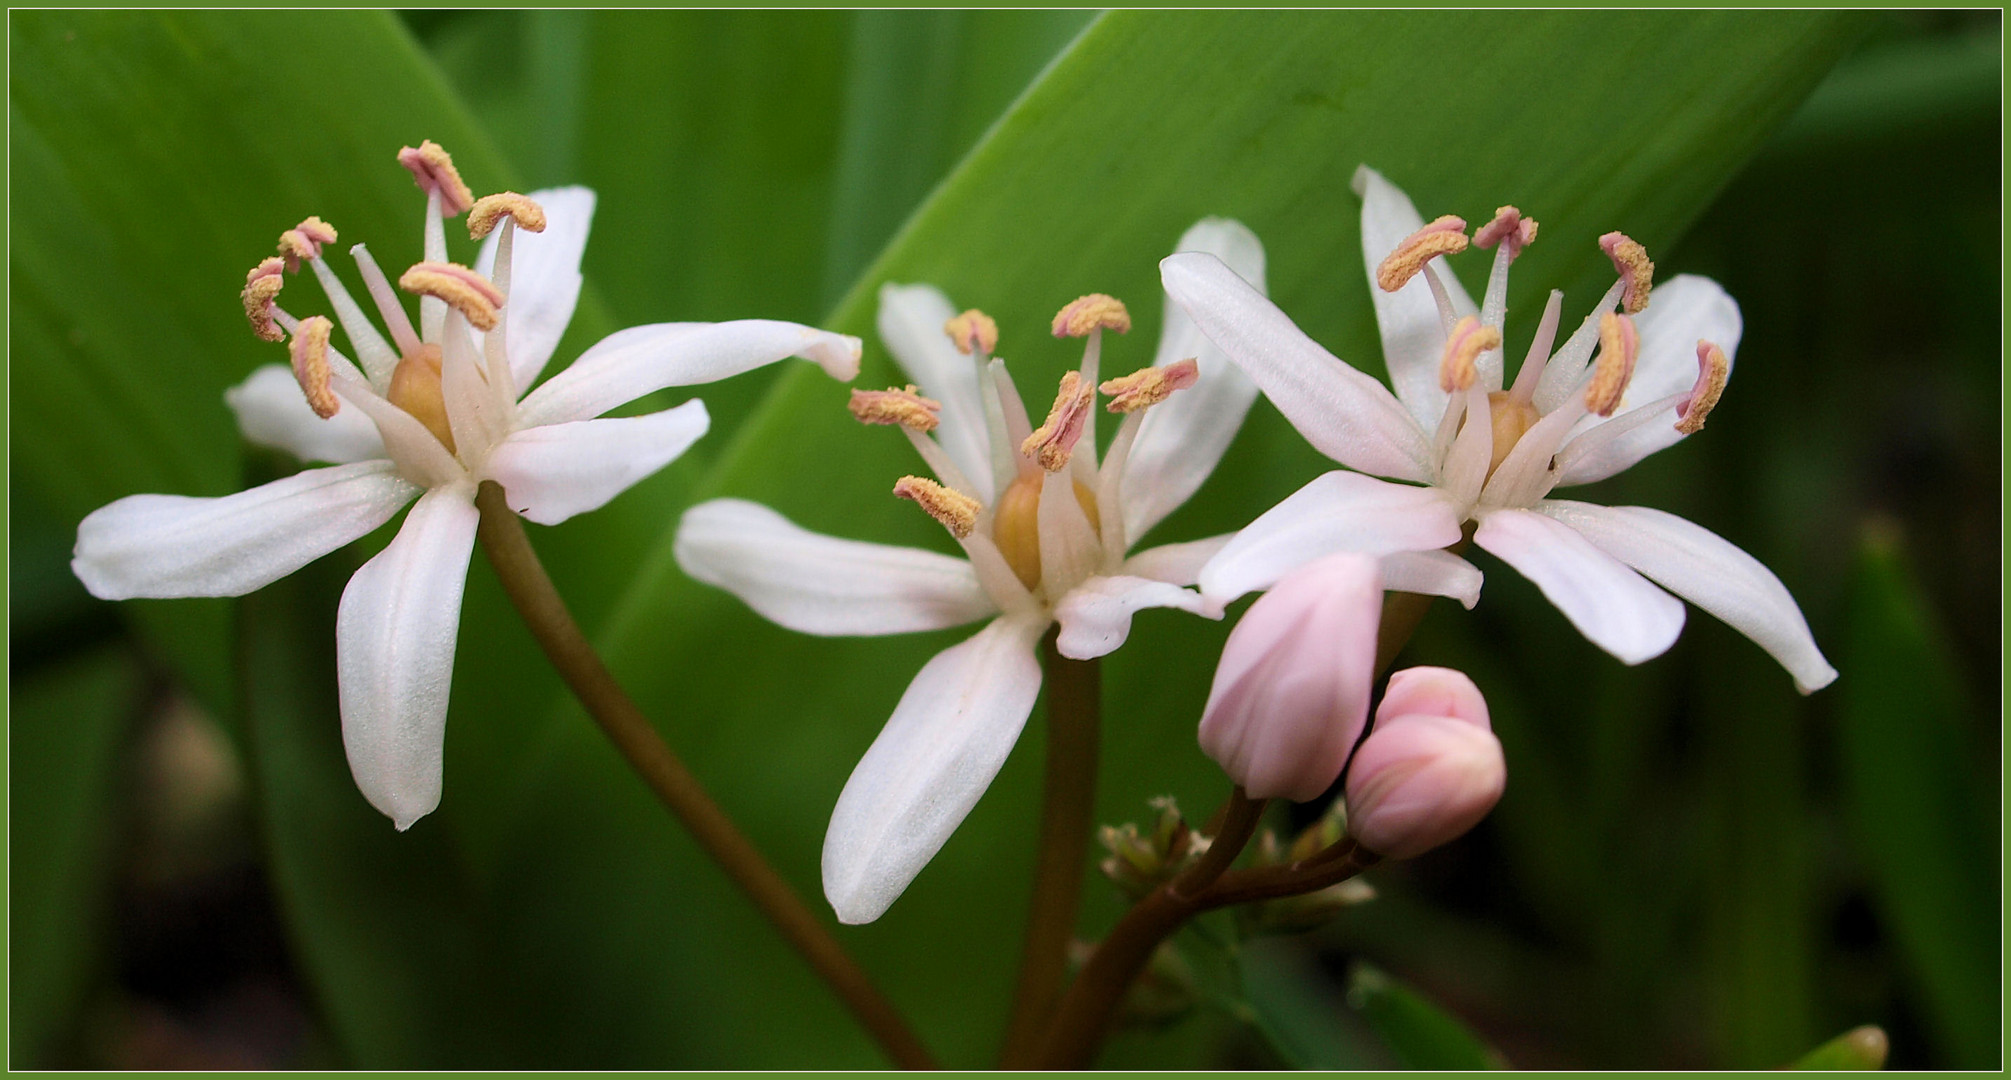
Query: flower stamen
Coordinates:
[954,510]
[261,289]
[1446,235]
[1713,368]
[310,364]
[1468,340]
[461,288]
[1087,314]
[303,242]
[433,170]
[1149,386]
[1619,346]
[973,332]
[907,408]
[1637,274]
[1053,442]
[491,209]
[1508,227]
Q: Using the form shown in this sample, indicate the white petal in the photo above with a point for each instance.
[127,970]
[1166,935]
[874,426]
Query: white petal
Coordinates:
[911,324]
[820,584]
[394,654]
[476,415]
[1176,564]
[1181,439]
[271,411]
[1432,573]
[1680,312]
[1614,607]
[630,363]
[1095,616]
[1069,549]
[172,545]
[1339,511]
[552,472]
[1345,414]
[544,278]
[1709,571]
[1413,333]
[938,753]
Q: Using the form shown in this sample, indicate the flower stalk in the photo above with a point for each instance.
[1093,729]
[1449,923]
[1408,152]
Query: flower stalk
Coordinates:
[531,591]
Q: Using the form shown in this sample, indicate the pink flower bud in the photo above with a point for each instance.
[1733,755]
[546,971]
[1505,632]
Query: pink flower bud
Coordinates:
[1292,691]
[1430,770]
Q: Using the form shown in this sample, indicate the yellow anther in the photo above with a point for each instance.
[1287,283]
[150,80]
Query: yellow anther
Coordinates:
[304,241]
[1053,443]
[310,364]
[1147,387]
[956,511]
[463,289]
[490,209]
[1456,371]
[973,330]
[261,286]
[1087,314]
[415,388]
[1444,236]
[1713,368]
[431,169]
[1619,345]
[908,408]
[1630,261]
[1508,225]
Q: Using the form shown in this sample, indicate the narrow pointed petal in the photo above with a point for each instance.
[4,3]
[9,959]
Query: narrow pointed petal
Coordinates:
[1181,439]
[938,753]
[911,322]
[172,545]
[394,654]
[1707,570]
[1095,616]
[1412,331]
[1432,573]
[1339,511]
[1069,550]
[544,278]
[474,412]
[1614,607]
[1684,310]
[633,362]
[1176,564]
[1345,414]
[271,411]
[552,472]
[819,584]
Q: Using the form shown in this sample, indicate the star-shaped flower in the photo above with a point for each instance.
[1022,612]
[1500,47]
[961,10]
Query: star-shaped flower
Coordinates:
[1492,456]
[430,414]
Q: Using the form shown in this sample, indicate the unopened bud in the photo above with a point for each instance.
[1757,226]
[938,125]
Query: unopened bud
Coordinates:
[1141,861]
[1292,690]
[1306,911]
[1430,770]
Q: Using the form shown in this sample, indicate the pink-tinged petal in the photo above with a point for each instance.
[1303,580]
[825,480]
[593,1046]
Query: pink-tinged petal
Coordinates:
[1069,551]
[1614,607]
[552,472]
[1339,511]
[394,654]
[938,753]
[544,278]
[1436,691]
[819,584]
[1412,330]
[1095,616]
[271,411]
[1176,564]
[1181,439]
[1345,414]
[1432,573]
[476,414]
[1682,311]
[172,545]
[633,362]
[1292,690]
[910,321]
[1422,780]
[1707,570]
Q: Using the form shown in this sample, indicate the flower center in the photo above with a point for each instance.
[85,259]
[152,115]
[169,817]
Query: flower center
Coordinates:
[415,388]
[1511,418]
[1016,524]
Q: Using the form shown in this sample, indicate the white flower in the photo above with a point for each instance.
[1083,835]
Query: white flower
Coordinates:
[1490,455]
[430,414]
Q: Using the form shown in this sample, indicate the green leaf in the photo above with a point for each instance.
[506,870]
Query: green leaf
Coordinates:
[1421,1034]
[1306,1022]
[1858,1048]
[1916,794]
[66,726]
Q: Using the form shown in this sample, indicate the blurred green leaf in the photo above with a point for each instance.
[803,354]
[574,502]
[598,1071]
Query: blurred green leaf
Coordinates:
[1858,1048]
[1306,1022]
[1911,785]
[66,724]
[1421,1034]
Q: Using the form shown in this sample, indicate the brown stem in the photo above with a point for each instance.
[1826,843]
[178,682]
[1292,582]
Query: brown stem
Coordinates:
[1086,1009]
[542,609]
[1074,712]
